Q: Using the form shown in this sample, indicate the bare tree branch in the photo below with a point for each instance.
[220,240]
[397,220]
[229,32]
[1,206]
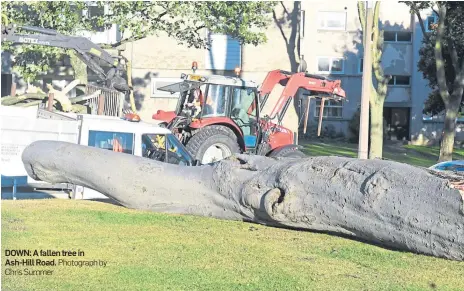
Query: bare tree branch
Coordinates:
[283,6]
[121,42]
[421,22]
[440,63]
[274,16]
[200,27]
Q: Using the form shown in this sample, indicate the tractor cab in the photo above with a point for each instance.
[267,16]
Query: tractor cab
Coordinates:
[215,100]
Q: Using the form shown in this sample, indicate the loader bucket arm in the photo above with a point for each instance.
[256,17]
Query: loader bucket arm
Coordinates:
[272,78]
[318,85]
[85,49]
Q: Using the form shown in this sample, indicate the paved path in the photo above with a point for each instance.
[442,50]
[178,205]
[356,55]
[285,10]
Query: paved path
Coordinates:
[29,193]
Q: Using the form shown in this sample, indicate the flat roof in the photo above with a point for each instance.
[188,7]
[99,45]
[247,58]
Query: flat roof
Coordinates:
[125,125]
[233,81]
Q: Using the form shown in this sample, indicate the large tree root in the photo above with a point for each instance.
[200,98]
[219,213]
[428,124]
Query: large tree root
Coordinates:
[383,202]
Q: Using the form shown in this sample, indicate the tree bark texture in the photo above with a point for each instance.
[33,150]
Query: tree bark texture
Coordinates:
[383,202]
[380,93]
[376,128]
[449,129]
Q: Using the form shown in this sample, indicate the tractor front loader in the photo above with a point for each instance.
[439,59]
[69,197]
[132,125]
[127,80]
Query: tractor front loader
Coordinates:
[217,116]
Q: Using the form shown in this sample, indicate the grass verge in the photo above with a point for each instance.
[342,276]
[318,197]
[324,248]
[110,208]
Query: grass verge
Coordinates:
[422,156]
[151,251]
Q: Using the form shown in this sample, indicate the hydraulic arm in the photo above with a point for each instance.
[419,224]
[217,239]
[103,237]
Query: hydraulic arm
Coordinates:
[319,87]
[86,51]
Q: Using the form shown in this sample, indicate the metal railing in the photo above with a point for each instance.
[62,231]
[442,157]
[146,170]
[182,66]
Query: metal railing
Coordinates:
[109,102]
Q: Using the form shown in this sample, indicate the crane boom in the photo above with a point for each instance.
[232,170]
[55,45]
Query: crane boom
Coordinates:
[86,51]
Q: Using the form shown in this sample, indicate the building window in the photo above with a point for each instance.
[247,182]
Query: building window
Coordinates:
[161,82]
[331,20]
[223,54]
[400,81]
[94,12]
[332,109]
[330,65]
[397,36]
[106,34]
[361,65]
[431,22]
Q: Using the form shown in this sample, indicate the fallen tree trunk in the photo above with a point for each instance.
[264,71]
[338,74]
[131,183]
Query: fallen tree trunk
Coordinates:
[12,100]
[383,202]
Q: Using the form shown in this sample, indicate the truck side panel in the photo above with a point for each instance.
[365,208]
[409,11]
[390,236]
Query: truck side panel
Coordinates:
[20,127]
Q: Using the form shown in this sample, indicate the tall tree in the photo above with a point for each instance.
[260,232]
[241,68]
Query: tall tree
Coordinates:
[442,64]
[183,21]
[291,19]
[379,90]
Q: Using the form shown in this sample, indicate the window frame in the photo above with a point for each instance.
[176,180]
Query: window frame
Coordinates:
[96,131]
[330,65]
[319,15]
[110,34]
[435,20]
[400,85]
[396,37]
[328,105]
[227,96]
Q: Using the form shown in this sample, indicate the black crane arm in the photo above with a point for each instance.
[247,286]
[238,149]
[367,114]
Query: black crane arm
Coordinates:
[84,48]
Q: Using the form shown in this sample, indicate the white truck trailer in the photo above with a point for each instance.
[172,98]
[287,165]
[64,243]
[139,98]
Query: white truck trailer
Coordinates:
[20,126]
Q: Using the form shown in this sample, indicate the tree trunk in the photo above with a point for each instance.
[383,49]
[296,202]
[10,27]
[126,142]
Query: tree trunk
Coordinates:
[382,202]
[79,67]
[378,94]
[449,132]
[376,127]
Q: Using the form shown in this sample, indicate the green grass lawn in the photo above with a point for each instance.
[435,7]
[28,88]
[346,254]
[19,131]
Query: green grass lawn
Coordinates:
[150,251]
[423,156]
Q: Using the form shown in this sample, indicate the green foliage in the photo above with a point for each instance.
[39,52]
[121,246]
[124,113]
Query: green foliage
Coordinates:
[454,35]
[184,21]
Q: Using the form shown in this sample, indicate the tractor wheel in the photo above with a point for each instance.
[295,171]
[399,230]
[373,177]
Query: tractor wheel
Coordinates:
[213,143]
[288,153]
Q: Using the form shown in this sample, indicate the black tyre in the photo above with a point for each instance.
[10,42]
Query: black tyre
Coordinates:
[288,152]
[213,143]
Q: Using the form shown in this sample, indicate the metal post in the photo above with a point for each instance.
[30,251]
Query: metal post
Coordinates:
[321,113]
[101,104]
[50,101]
[306,115]
[363,146]
[14,188]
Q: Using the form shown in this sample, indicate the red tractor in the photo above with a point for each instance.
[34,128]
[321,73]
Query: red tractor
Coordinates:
[217,116]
